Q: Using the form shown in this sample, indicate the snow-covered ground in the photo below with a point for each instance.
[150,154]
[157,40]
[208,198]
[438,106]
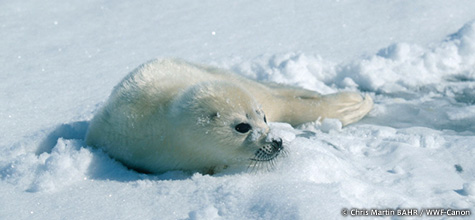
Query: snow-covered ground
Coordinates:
[61,59]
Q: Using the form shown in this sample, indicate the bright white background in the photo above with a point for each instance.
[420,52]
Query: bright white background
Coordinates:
[61,59]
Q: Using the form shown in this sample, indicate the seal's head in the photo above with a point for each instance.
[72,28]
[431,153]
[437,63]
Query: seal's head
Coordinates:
[224,126]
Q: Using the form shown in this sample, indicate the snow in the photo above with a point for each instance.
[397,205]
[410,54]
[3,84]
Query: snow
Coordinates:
[414,150]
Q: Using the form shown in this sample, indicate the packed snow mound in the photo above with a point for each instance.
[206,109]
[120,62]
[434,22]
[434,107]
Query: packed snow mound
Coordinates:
[309,72]
[401,67]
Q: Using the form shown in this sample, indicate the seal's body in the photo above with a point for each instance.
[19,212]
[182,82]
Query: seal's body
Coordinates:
[173,115]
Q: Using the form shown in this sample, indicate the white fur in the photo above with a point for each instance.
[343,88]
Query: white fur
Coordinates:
[170,114]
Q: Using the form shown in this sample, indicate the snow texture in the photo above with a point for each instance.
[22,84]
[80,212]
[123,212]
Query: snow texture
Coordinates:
[414,150]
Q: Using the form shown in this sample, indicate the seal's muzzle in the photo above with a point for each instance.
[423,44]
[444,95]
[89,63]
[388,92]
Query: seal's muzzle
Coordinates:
[269,152]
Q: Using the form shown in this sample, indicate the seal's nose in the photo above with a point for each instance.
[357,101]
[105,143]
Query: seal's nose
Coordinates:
[277,144]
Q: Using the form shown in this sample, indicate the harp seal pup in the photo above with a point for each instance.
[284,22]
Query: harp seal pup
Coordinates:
[169,114]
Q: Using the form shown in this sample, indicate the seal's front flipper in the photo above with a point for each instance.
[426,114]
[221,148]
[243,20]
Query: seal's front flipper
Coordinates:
[348,107]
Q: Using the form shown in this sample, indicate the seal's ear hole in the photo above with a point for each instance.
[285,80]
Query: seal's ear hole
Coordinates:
[214,115]
[243,127]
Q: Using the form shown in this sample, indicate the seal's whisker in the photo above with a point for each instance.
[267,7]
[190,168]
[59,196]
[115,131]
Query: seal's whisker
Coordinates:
[259,164]
[256,164]
[284,153]
[251,164]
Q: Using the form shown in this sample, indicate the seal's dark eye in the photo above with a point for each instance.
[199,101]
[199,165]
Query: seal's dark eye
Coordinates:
[243,127]
[265,120]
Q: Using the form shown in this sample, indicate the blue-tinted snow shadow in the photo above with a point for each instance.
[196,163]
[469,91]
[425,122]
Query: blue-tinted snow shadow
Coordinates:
[74,130]
[410,110]
[461,192]
[103,167]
